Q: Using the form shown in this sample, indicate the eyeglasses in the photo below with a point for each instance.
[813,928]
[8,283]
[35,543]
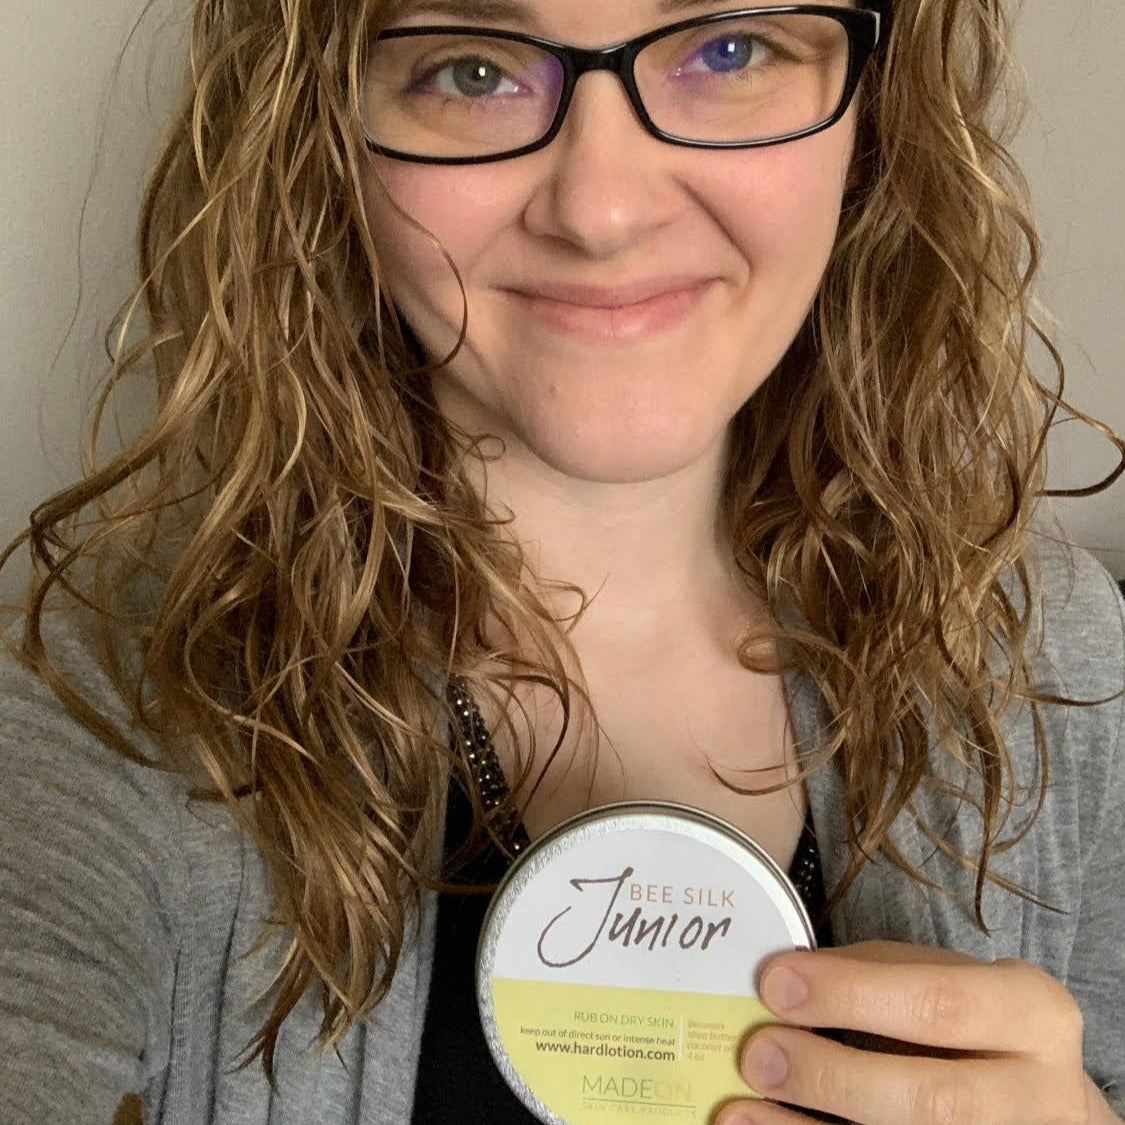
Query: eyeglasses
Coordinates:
[736,79]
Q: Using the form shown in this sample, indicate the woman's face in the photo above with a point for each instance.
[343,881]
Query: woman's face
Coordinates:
[625,296]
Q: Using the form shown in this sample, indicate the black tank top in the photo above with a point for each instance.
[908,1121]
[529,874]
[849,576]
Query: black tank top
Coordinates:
[457,1080]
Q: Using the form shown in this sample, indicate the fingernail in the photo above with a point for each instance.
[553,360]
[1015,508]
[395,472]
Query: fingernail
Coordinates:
[783,989]
[740,1118]
[765,1064]
[739,1115]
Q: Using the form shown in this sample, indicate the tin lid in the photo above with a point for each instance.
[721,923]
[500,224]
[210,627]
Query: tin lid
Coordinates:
[617,967]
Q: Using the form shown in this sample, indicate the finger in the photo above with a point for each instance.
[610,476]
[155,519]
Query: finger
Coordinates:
[1006,1006]
[812,1073]
[764,1113]
[902,953]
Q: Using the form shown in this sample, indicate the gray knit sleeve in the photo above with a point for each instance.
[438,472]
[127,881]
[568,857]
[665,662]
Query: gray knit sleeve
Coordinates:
[1096,972]
[87,942]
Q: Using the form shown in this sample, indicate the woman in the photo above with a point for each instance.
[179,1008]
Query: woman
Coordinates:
[677,418]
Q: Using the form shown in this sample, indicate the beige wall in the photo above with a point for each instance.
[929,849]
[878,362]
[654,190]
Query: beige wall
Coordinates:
[56,62]
[70,136]
[1073,149]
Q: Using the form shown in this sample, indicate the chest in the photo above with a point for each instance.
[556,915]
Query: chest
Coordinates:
[716,738]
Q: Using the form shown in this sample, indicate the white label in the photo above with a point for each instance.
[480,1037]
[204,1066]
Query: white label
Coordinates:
[646,908]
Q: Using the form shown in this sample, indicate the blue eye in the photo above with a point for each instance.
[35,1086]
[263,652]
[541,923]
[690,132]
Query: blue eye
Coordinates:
[728,53]
[734,53]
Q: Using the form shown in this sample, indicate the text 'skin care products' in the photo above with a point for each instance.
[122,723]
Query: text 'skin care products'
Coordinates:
[617,966]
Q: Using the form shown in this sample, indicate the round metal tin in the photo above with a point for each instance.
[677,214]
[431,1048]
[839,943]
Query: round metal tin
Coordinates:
[618,961]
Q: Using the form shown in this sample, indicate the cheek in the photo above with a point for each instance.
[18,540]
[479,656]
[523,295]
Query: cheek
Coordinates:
[460,214]
[781,206]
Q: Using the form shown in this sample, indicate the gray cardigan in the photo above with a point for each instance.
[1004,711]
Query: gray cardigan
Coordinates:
[127,914]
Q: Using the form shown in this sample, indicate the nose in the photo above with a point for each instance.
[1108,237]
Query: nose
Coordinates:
[607,182]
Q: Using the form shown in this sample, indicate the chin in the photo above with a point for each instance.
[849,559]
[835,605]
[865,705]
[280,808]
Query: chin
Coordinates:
[620,458]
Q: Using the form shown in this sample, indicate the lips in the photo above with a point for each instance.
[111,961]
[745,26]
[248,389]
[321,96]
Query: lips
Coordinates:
[608,296]
[625,311]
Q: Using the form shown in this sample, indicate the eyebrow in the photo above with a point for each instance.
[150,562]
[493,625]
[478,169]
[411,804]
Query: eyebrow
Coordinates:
[514,11]
[488,11]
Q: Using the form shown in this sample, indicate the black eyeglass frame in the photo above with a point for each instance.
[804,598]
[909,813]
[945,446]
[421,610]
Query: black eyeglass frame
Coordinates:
[866,27]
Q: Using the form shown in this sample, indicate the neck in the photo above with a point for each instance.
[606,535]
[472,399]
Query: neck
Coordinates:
[650,556]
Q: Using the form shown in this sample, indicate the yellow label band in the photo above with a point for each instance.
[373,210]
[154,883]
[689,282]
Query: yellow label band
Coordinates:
[597,1053]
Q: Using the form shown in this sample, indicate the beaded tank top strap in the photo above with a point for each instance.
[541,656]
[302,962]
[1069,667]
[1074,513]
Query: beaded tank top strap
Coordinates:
[484,765]
[804,872]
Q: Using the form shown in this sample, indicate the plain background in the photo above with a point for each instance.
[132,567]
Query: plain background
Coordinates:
[77,132]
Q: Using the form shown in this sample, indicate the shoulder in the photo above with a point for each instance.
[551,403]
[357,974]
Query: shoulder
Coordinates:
[114,883]
[64,783]
[1078,641]
[73,776]
[1076,651]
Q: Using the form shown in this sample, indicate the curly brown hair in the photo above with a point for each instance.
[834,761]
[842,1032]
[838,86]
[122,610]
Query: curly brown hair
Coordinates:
[288,561]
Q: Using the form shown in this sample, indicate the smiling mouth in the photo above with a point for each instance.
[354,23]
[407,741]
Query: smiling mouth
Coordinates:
[622,313]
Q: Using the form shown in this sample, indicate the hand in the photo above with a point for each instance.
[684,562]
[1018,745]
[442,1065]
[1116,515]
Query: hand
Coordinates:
[960,1042]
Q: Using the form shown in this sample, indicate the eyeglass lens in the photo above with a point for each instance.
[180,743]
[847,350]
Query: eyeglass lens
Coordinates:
[744,79]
